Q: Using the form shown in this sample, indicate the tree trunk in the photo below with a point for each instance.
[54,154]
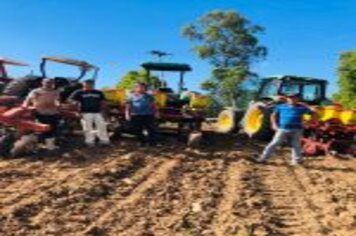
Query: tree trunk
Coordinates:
[233,101]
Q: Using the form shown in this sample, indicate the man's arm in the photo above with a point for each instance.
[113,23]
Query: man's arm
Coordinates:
[274,121]
[28,101]
[310,110]
[58,100]
[128,111]
[154,107]
[128,108]
[104,105]
[73,98]
[307,106]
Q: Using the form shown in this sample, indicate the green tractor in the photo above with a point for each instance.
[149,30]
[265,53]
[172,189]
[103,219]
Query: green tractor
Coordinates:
[255,121]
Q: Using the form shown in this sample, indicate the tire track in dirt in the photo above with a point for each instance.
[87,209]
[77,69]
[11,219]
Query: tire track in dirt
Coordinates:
[49,178]
[43,195]
[225,219]
[333,195]
[87,204]
[157,177]
[165,209]
[266,200]
[244,208]
[291,209]
[185,205]
[25,170]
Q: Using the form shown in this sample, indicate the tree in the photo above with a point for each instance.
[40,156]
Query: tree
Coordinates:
[134,76]
[229,42]
[347,80]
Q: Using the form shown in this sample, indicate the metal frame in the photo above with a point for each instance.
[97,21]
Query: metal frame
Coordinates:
[84,66]
[5,61]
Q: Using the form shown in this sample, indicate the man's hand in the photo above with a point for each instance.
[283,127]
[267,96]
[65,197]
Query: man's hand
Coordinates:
[157,115]
[127,117]
[274,127]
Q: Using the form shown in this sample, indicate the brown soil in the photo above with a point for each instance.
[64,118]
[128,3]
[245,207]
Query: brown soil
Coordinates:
[174,190]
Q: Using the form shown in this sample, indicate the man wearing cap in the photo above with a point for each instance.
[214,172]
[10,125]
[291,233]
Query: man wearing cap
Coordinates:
[287,121]
[91,103]
[45,101]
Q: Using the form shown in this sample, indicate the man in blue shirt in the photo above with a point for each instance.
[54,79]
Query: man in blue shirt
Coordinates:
[287,121]
[141,112]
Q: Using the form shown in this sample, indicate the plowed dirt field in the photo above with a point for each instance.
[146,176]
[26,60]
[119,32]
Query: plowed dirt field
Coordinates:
[174,190]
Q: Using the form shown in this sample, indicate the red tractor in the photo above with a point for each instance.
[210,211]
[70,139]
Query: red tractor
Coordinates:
[18,129]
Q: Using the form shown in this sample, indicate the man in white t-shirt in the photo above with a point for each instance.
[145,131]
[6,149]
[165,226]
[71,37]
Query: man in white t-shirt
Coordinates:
[45,100]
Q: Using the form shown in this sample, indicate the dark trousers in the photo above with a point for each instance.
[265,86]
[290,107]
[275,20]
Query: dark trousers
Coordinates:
[144,122]
[52,121]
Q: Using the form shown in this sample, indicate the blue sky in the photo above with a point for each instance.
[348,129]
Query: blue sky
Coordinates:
[304,37]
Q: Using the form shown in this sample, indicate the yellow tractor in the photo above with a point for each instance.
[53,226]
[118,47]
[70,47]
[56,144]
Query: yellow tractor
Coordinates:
[255,121]
[181,109]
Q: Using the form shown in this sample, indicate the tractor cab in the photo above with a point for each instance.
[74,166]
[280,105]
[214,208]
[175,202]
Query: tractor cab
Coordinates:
[173,98]
[309,90]
[167,67]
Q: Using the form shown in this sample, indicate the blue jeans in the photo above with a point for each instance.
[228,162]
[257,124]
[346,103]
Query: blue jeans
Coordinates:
[281,135]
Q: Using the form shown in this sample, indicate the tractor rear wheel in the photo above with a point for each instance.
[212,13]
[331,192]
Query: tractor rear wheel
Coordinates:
[7,141]
[17,88]
[256,122]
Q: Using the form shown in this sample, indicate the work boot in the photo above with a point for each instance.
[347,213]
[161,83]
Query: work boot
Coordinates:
[90,145]
[296,162]
[259,160]
[50,144]
[105,143]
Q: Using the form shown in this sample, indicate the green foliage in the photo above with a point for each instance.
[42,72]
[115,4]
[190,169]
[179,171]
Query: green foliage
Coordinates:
[134,76]
[347,80]
[229,42]
[214,107]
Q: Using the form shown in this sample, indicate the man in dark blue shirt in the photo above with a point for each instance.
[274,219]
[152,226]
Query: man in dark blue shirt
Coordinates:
[287,121]
[90,103]
[141,112]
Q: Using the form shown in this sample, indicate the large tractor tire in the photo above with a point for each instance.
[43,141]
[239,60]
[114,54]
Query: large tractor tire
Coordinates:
[18,88]
[7,142]
[256,123]
[229,121]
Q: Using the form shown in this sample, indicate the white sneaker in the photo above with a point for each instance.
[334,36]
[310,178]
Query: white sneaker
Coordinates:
[50,144]
[260,160]
[296,162]
[105,143]
[90,145]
